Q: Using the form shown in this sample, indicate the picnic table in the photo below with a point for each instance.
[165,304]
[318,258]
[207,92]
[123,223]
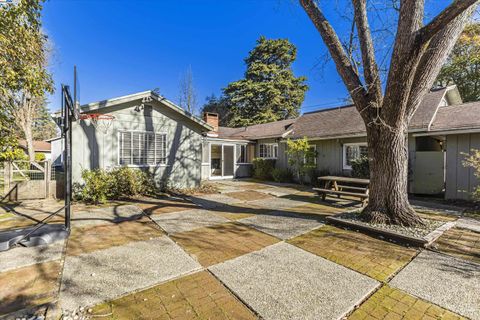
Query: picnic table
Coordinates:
[345,186]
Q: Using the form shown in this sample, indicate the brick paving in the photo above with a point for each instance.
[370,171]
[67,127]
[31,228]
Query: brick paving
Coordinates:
[92,238]
[373,257]
[29,286]
[197,296]
[214,244]
[461,243]
[390,303]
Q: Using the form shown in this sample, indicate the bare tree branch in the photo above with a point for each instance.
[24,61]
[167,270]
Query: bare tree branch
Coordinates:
[454,10]
[434,57]
[339,56]
[370,68]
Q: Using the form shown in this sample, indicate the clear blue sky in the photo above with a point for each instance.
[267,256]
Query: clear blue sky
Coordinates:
[122,47]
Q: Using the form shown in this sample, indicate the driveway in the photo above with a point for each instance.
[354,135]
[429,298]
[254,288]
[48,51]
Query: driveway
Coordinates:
[253,250]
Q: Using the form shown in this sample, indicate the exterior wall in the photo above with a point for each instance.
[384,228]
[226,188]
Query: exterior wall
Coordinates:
[93,149]
[460,181]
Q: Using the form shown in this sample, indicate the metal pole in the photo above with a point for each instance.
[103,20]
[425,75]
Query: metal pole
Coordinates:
[67,163]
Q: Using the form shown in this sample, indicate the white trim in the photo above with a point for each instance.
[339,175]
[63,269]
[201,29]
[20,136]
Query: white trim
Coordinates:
[344,153]
[275,144]
[120,131]
[447,132]
[222,145]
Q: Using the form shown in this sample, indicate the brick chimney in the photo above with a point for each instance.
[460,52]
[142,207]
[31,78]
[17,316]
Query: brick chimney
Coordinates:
[212,119]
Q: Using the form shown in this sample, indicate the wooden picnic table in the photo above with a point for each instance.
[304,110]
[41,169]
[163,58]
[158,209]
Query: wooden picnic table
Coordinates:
[338,185]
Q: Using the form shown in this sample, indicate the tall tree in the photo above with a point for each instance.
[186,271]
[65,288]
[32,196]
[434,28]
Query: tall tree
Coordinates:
[218,105]
[270,91]
[463,65]
[24,78]
[43,125]
[188,95]
[419,51]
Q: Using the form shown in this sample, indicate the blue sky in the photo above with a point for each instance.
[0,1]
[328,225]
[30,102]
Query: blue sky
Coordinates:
[122,47]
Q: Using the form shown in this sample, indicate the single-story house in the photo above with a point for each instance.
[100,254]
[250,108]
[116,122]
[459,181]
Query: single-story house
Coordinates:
[39,146]
[152,133]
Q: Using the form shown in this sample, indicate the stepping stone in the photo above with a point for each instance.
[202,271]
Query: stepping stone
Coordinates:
[282,225]
[284,282]
[106,274]
[211,201]
[26,256]
[449,282]
[187,220]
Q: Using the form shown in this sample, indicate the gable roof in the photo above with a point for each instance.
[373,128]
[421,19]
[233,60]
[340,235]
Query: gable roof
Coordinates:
[457,117]
[346,121]
[96,106]
[38,145]
[259,131]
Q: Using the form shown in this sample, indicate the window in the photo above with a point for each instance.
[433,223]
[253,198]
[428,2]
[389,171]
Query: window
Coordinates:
[242,154]
[142,148]
[311,157]
[268,150]
[353,151]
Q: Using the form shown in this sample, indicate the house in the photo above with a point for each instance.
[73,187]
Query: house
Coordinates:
[152,133]
[38,146]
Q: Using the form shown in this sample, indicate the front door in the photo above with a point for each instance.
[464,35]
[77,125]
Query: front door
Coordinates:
[222,161]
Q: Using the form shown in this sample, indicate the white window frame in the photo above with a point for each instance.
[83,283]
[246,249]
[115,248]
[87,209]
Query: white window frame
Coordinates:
[314,146]
[246,153]
[119,139]
[273,145]
[345,145]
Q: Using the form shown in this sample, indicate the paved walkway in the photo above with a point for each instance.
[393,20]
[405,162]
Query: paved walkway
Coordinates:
[254,250]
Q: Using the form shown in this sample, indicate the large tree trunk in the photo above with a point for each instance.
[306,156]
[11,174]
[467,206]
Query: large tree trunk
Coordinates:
[388,154]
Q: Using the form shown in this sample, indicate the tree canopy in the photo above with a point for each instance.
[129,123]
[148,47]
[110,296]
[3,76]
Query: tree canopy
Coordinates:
[463,65]
[220,106]
[269,91]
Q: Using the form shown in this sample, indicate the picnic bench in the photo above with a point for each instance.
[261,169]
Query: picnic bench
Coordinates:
[344,186]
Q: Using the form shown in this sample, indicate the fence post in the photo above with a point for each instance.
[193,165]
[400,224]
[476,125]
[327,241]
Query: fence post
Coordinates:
[48,168]
[7,176]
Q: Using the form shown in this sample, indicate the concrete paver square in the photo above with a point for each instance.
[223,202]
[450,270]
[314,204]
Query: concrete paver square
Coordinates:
[210,201]
[315,209]
[29,286]
[279,191]
[162,205]
[237,211]
[373,257]
[449,282]
[249,195]
[214,244]
[106,215]
[391,303]
[285,282]
[197,296]
[103,275]
[91,238]
[462,243]
[25,256]
[282,225]
[276,204]
[187,220]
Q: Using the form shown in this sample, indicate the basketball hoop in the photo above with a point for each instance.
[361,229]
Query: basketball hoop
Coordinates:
[101,122]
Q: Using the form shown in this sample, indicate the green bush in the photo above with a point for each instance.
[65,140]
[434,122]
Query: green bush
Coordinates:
[101,185]
[361,168]
[98,186]
[262,168]
[282,175]
[39,157]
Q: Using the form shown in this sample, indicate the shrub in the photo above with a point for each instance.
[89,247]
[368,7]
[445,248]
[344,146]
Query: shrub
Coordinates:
[472,160]
[13,153]
[301,157]
[361,168]
[314,174]
[39,157]
[282,175]
[97,187]
[262,168]
[101,185]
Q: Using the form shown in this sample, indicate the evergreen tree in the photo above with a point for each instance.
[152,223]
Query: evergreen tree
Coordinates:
[218,105]
[270,91]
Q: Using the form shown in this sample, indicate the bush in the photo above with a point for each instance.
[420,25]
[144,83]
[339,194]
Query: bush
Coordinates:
[101,185]
[262,168]
[472,160]
[282,175]
[97,187]
[39,157]
[360,168]
[314,174]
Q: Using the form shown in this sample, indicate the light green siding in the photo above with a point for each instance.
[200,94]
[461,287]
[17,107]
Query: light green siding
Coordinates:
[93,149]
